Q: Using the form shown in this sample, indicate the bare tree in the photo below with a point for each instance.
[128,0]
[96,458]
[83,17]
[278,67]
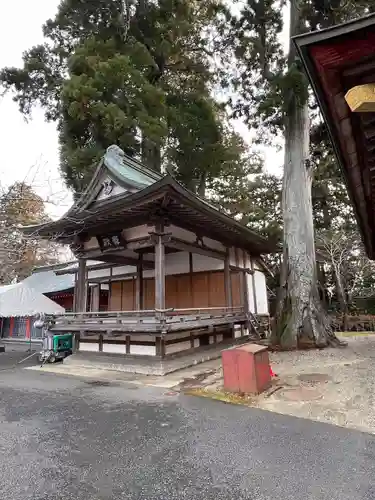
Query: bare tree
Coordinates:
[349,265]
[20,206]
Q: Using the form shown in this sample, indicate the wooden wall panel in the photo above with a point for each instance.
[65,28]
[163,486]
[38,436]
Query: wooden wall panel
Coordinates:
[128,295]
[216,291]
[237,296]
[171,291]
[149,293]
[200,290]
[184,292]
[114,301]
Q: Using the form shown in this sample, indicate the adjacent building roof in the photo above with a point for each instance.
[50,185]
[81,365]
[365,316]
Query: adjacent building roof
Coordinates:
[124,192]
[336,60]
[50,282]
[19,300]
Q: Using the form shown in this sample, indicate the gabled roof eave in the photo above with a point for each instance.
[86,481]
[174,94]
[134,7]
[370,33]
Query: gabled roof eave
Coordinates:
[304,43]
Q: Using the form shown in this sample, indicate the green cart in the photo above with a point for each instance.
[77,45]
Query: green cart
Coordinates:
[56,347]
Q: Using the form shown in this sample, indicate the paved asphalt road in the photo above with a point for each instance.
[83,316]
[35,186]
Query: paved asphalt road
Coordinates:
[64,438]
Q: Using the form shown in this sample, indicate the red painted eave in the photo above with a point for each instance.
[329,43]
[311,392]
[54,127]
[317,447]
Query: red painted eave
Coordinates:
[336,60]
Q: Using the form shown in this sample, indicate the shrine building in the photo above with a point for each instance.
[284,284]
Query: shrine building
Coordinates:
[180,275]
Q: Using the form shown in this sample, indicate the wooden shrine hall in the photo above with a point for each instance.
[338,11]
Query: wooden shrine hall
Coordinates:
[340,64]
[180,274]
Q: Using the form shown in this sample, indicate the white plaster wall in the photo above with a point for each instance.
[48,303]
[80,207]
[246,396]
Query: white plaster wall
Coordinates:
[232,256]
[133,233]
[219,337]
[89,347]
[261,292]
[114,348]
[177,263]
[204,263]
[215,245]
[182,234]
[242,259]
[247,261]
[104,273]
[237,331]
[181,346]
[190,237]
[250,292]
[91,244]
[98,273]
[143,350]
[123,270]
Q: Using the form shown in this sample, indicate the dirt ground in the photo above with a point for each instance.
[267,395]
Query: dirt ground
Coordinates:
[342,393]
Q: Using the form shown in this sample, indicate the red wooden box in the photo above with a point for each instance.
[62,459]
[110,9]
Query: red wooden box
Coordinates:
[246,369]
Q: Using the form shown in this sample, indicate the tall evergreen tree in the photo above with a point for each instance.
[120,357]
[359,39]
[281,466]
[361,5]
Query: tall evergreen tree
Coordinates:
[126,72]
[274,98]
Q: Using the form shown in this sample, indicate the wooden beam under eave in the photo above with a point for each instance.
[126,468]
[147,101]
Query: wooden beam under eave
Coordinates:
[115,277]
[115,257]
[361,99]
[193,248]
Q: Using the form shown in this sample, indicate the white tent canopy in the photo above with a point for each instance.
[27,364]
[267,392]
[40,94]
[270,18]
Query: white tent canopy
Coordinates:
[19,300]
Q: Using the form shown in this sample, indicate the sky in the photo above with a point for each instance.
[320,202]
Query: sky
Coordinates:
[29,150]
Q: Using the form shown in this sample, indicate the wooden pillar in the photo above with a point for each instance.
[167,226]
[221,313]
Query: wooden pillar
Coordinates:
[75,293]
[159,273]
[109,307]
[227,281]
[95,298]
[254,287]
[191,280]
[139,285]
[81,287]
[160,291]
[245,290]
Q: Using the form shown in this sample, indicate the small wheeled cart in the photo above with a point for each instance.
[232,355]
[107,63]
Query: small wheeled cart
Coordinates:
[56,347]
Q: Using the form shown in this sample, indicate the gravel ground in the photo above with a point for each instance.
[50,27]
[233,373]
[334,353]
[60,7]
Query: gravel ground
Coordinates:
[70,438]
[344,396]
[345,399]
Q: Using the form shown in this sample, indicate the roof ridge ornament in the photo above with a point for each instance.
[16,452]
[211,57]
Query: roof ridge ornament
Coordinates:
[116,151]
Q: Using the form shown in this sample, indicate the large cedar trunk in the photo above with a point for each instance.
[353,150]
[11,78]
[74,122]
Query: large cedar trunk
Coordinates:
[301,320]
[151,154]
